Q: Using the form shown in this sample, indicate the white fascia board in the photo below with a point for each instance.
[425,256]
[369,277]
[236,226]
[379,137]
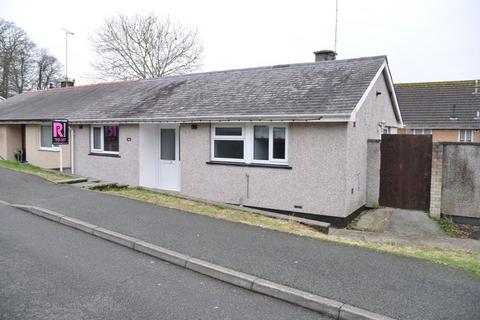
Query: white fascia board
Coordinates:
[384,69]
[342,117]
[391,87]
[367,92]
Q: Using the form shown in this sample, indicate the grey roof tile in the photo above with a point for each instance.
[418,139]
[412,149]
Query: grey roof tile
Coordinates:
[429,105]
[328,87]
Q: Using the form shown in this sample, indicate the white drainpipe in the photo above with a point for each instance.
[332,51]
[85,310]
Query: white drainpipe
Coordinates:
[72,150]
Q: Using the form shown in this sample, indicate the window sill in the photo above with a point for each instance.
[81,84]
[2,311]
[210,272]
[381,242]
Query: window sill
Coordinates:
[255,165]
[111,155]
[49,149]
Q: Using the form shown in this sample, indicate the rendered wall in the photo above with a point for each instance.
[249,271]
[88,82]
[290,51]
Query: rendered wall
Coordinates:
[122,169]
[373,173]
[43,158]
[316,181]
[461,180]
[10,141]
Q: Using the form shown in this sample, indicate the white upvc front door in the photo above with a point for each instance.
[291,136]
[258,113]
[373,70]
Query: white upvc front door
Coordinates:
[169,158]
[160,156]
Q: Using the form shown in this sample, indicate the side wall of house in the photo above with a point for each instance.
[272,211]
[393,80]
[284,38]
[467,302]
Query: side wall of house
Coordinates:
[43,158]
[122,169]
[10,140]
[3,142]
[314,184]
[376,108]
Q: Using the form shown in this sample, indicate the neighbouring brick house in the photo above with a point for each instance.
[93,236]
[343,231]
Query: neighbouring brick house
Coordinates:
[449,111]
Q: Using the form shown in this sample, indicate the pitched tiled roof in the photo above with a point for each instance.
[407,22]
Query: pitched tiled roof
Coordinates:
[321,88]
[429,105]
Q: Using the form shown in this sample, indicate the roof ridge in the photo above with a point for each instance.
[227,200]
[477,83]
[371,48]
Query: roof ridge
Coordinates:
[209,72]
[269,67]
[80,86]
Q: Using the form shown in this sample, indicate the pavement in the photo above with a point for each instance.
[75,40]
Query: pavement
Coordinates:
[399,287]
[409,227]
[49,271]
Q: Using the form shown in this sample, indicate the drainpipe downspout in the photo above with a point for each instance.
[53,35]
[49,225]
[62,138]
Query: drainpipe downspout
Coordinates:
[72,150]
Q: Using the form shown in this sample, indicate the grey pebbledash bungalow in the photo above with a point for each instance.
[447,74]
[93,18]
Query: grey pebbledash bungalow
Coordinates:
[289,138]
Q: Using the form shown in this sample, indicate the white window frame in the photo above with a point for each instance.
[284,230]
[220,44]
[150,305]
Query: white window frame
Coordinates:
[271,159]
[54,147]
[102,132]
[421,131]
[472,135]
[248,142]
[228,138]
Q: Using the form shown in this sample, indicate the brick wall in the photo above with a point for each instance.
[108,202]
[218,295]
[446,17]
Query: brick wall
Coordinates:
[436,180]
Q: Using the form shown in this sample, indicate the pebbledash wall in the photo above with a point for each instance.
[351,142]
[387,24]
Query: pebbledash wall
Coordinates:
[314,184]
[123,168]
[455,189]
[377,109]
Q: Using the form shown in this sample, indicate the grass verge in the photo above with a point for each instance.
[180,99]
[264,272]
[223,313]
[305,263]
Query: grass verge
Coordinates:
[28,168]
[458,258]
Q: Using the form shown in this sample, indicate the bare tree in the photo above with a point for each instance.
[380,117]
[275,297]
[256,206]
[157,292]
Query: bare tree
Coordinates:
[47,69]
[144,47]
[15,58]
[22,65]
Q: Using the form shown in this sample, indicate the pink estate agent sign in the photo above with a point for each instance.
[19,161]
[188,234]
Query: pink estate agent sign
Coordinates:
[60,131]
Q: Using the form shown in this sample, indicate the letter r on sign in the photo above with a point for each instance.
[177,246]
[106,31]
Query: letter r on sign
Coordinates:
[58,130]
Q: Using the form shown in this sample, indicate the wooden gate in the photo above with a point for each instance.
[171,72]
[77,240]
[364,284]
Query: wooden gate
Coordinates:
[405,171]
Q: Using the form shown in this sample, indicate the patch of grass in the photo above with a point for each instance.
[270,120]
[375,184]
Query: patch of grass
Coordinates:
[458,258]
[447,225]
[28,168]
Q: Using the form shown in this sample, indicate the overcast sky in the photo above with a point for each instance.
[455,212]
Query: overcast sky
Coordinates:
[427,40]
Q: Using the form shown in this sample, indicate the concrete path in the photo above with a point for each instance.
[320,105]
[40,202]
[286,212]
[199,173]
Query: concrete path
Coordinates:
[399,287]
[385,225]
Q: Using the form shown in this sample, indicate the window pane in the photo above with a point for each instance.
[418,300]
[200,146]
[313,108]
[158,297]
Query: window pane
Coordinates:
[468,135]
[228,131]
[167,144]
[260,143]
[46,136]
[97,138]
[279,143]
[110,138]
[228,149]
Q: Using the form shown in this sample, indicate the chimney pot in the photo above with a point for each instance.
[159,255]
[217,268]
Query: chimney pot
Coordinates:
[324,55]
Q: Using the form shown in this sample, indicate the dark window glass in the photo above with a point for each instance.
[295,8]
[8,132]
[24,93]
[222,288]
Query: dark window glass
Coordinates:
[167,143]
[46,136]
[279,143]
[228,149]
[110,138]
[228,131]
[260,143]
[97,138]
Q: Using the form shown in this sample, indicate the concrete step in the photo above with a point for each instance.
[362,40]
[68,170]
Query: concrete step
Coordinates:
[71,181]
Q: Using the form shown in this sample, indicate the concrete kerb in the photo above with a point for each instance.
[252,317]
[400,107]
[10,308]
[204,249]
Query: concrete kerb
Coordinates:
[237,278]
[329,307]
[162,253]
[78,224]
